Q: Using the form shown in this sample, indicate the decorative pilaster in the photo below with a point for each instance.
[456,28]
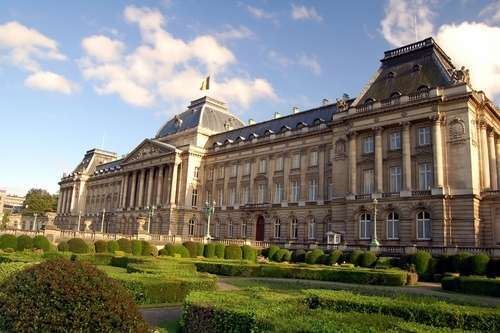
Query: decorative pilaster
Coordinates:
[124,190]
[133,189]
[321,172]
[485,157]
[73,200]
[379,172]
[64,194]
[159,187]
[407,157]
[59,202]
[142,179]
[173,186]
[286,179]
[492,160]
[149,197]
[352,163]
[437,148]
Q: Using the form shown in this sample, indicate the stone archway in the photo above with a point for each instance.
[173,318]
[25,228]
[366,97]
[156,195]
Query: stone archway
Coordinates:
[260,228]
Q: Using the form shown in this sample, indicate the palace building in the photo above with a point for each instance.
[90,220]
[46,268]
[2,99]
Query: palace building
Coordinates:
[418,138]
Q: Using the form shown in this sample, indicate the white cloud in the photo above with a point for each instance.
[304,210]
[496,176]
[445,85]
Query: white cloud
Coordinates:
[279,58]
[311,63]
[51,82]
[166,69]
[26,48]
[303,13]
[258,12]
[407,21]
[491,13]
[231,33]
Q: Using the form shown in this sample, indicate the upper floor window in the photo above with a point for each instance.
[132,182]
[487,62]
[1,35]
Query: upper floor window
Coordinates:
[296,161]
[263,166]
[424,136]
[194,197]
[278,193]
[424,176]
[246,168]
[191,225]
[368,181]
[261,193]
[395,178]
[232,196]
[220,172]
[234,170]
[244,229]
[295,191]
[423,91]
[368,144]
[196,172]
[220,196]
[211,173]
[245,195]
[395,141]
[313,158]
[424,225]
[313,189]
[230,229]
[279,163]
[392,225]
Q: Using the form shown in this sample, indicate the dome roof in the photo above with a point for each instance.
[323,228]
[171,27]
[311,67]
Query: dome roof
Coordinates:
[206,113]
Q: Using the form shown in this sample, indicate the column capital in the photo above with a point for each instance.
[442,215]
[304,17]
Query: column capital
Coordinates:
[352,134]
[405,124]
[491,133]
[437,118]
[378,130]
[483,124]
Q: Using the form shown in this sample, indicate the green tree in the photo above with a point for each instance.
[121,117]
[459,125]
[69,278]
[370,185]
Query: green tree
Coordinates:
[39,201]
[5,220]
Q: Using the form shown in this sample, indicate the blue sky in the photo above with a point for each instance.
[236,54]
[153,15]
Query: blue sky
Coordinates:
[83,74]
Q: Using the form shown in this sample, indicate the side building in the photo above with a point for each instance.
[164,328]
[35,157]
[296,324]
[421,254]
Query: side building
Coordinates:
[416,149]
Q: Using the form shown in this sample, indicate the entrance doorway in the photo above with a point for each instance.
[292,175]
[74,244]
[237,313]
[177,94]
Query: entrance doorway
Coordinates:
[259,230]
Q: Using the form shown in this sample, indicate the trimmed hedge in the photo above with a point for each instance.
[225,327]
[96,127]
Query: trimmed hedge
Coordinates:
[113,246]
[233,252]
[439,314]
[367,259]
[459,263]
[472,285]
[8,242]
[181,251]
[41,242]
[136,247]
[63,246]
[147,249]
[209,250]
[281,255]
[478,264]
[332,258]
[125,245]
[101,246]
[299,255]
[249,253]
[220,250]
[421,261]
[24,243]
[314,256]
[354,257]
[195,249]
[78,245]
[168,250]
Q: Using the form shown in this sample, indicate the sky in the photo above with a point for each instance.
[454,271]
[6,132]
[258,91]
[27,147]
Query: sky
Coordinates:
[77,75]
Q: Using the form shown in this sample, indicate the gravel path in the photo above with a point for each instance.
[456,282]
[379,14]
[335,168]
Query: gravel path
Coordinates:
[154,316]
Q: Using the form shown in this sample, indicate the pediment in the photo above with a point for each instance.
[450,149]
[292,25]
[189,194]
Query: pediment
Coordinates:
[149,149]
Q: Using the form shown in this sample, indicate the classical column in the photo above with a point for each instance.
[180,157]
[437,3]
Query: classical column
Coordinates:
[140,195]
[132,189]
[73,199]
[253,170]
[352,162]
[173,186]
[407,157]
[498,163]
[321,174]
[286,178]
[437,148]
[270,182]
[149,201]
[159,187]
[124,190]
[238,185]
[64,198]
[493,160]
[379,172]
[304,190]
[484,157]
[59,202]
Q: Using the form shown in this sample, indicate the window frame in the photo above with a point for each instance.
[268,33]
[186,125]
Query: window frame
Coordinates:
[424,136]
[395,137]
[365,224]
[426,221]
[368,145]
[392,226]
[395,187]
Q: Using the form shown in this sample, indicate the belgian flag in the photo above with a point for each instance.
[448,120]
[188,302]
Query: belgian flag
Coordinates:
[205,85]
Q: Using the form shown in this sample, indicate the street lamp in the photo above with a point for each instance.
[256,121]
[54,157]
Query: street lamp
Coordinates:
[151,213]
[209,211]
[374,241]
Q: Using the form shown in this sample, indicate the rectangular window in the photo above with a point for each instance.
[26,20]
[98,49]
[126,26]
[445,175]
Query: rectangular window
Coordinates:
[294,229]
[234,170]
[261,193]
[211,173]
[279,163]
[245,195]
[220,196]
[296,161]
[311,230]
[262,166]
[278,193]
[220,171]
[194,197]
[208,196]
[395,141]
[313,158]
[424,136]
[232,196]
[196,172]
[368,181]
[313,189]
[365,226]
[368,145]
[246,169]
[424,176]
[395,179]
[295,191]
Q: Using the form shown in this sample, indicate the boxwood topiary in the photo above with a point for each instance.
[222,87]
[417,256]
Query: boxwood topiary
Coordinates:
[354,257]
[8,242]
[421,261]
[299,255]
[332,258]
[493,267]
[220,250]
[478,264]
[101,246]
[249,253]
[147,249]
[50,297]
[460,262]
[24,243]
[63,246]
[78,245]
[367,259]
[314,256]
[181,251]
[41,242]
[209,251]
[279,255]
[200,247]
[113,246]
[192,248]
[233,252]
[136,247]
[272,251]
[168,250]
[125,245]
[288,256]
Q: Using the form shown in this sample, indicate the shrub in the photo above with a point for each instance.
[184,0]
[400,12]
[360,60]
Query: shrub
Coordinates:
[209,250]
[168,250]
[288,256]
[136,247]
[299,255]
[367,259]
[220,250]
[354,257]
[125,245]
[192,248]
[50,297]
[494,267]
[41,242]
[249,253]
[478,264]
[332,258]
[101,246]
[472,285]
[314,256]
[148,249]
[78,245]
[271,252]
[459,263]
[200,247]
[8,242]
[443,264]
[233,252]
[280,255]
[421,261]
[112,246]
[63,246]
[181,251]
[24,243]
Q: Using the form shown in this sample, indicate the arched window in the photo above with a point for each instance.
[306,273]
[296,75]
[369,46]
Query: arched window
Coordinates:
[393,225]
[311,229]
[277,228]
[191,225]
[423,91]
[294,229]
[230,229]
[369,101]
[424,224]
[365,226]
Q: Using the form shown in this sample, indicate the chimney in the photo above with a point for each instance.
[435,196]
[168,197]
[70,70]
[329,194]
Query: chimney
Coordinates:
[325,101]
[277,115]
[295,110]
[251,121]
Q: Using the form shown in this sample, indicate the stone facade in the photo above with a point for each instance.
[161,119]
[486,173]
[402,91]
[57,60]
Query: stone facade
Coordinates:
[418,138]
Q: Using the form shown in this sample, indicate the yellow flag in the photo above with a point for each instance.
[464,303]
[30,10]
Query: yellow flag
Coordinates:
[205,85]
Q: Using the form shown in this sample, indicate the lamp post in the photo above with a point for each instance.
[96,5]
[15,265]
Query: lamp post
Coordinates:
[374,241]
[209,211]
[102,220]
[151,213]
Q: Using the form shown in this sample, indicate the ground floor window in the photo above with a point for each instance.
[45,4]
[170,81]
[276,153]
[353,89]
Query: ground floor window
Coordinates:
[424,225]
[393,225]
[311,229]
[277,228]
[294,229]
[365,223]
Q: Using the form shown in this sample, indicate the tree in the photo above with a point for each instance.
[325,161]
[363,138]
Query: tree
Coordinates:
[5,220]
[39,201]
